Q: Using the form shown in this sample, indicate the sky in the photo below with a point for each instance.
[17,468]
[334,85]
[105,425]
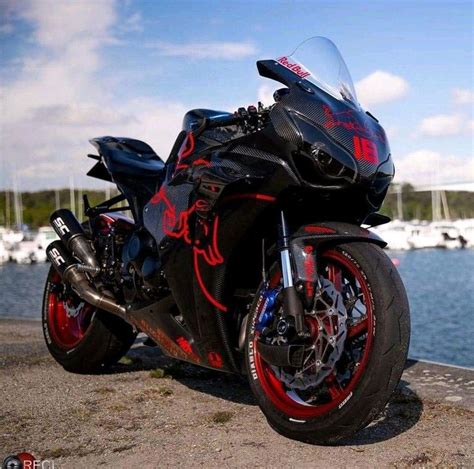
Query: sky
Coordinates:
[74,70]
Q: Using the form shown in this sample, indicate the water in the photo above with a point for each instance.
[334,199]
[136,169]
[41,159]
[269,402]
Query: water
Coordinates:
[21,289]
[440,286]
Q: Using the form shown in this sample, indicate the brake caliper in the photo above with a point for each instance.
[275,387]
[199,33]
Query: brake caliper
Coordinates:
[267,311]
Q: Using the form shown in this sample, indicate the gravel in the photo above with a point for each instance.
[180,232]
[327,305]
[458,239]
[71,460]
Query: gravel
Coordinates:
[137,416]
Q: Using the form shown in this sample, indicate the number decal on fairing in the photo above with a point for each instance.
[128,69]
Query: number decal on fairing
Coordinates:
[366,150]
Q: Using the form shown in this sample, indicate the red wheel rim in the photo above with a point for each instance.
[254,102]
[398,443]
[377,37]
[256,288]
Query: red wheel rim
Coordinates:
[275,390]
[68,320]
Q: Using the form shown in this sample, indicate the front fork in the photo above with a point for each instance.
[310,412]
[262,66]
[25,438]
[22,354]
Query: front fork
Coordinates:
[293,311]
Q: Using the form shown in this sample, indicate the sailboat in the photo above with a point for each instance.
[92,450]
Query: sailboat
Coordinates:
[441,232]
[11,236]
[4,254]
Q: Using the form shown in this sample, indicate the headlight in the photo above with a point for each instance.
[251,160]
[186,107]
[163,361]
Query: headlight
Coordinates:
[337,165]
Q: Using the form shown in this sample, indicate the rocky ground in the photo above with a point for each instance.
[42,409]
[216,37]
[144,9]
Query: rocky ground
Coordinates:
[150,411]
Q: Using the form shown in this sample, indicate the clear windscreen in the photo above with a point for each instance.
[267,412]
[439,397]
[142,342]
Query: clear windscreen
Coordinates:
[319,61]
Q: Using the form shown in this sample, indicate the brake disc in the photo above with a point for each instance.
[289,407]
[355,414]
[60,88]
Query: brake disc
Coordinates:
[330,315]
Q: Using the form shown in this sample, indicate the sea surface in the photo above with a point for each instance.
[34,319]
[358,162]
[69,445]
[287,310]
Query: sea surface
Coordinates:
[439,283]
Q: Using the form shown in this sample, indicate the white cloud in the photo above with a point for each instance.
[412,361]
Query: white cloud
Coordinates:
[442,125]
[430,167]
[59,23]
[391,131]
[206,50]
[463,96]
[381,87]
[265,94]
[42,169]
[58,100]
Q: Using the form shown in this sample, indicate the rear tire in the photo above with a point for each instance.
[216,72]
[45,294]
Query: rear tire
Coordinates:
[91,346]
[387,351]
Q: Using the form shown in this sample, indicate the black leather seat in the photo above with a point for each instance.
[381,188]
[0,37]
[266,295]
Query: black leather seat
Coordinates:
[192,119]
[129,157]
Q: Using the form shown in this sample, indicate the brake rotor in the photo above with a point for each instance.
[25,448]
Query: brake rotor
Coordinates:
[329,331]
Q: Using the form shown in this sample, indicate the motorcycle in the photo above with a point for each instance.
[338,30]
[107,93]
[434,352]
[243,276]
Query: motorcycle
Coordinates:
[246,253]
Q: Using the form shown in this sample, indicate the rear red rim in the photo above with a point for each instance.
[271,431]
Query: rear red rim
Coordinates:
[339,268]
[68,317]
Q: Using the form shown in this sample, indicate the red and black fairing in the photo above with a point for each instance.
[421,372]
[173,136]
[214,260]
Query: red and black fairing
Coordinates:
[334,143]
[206,219]
[317,158]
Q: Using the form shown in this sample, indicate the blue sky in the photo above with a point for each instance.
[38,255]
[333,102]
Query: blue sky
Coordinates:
[73,70]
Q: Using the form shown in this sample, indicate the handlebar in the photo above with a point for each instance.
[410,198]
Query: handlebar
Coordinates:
[249,120]
[224,121]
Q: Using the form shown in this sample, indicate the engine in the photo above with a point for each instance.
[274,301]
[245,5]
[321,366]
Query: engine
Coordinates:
[129,264]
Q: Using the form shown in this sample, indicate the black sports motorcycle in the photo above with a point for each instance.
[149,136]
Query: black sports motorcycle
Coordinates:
[246,253]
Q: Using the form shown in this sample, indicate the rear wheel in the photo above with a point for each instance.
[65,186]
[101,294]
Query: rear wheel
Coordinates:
[81,338]
[354,357]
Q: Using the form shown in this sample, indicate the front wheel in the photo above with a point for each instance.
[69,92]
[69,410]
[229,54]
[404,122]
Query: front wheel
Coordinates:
[359,335]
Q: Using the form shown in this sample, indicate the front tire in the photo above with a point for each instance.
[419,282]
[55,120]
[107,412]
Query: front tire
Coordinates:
[381,337]
[80,337]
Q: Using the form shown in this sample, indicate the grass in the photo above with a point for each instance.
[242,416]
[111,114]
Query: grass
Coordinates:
[165,392]
[221,417]
[128,361]
[158,373]
[60,452]
[81,413]
[56,453]
[120,449]
[104,390]
[151,393]
[118,407]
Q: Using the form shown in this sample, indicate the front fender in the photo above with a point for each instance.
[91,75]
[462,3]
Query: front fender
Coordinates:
[316,236]
[335,233]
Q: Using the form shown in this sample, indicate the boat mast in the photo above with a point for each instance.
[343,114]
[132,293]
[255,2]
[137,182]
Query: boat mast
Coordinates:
[80,208]
[56,199]
[17,203]
[7,209]
[399,202]
[444,201]
[436,205]
[72,201]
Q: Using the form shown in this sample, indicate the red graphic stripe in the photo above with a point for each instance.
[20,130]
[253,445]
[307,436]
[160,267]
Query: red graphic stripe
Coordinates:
[201,161]
[319,229]
[215,359]
[177,226]
[189,146]
[203,288]
[266,198]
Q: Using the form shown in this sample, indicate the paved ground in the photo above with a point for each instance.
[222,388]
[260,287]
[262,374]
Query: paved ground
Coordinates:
[132,417]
